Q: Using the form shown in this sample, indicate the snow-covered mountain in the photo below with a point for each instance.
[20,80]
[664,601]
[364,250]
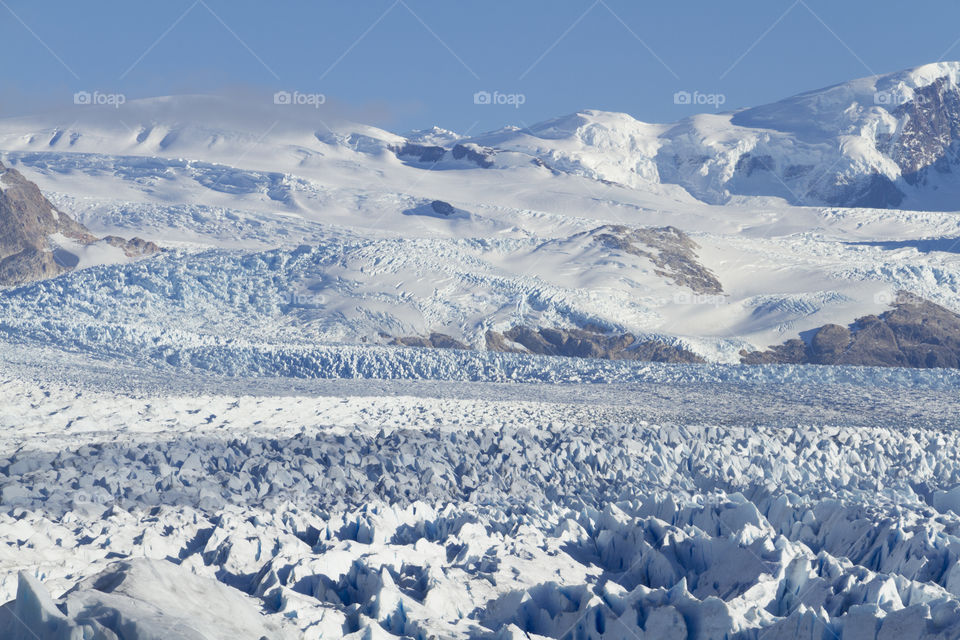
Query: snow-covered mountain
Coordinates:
[883,141]
[294,228]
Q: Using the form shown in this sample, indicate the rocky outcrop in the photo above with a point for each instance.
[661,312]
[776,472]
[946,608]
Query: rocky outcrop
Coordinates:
[581,343]
[569,343]
[420,152]
[433,341]
[790,352]
[27,222]
[442,208]
[931,126]
[134,247]
[436,209]
[480,156]
[671,250]
[873,191]
[915,333]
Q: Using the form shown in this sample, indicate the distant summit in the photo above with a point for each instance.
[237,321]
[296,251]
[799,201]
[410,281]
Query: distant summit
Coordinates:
[888,141]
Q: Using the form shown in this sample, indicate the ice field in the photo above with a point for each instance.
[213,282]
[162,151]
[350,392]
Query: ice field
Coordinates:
[716,503]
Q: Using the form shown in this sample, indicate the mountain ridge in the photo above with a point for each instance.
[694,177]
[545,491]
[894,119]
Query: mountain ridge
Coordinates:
[884,141]
[866,142]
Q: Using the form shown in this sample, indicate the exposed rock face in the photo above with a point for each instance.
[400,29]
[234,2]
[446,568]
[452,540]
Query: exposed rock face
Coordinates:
[433,341]
[28,219]
[915,333]
[436,209]
[134,247]
[932,124]
[874,191]
[790,352]
[570,343]
[579,343]
[829,343]
[481,156]
[420,152]
[671,251]
[441,207]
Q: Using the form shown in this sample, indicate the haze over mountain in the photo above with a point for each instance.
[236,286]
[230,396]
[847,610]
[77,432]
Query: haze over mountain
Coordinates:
[886,141]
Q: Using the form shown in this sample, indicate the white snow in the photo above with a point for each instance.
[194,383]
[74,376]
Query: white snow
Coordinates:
[215,441]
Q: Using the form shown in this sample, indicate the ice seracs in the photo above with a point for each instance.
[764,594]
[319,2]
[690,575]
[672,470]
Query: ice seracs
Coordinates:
[489,511]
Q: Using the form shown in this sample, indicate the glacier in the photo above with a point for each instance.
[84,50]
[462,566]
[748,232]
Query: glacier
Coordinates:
[530,510]
[221,440]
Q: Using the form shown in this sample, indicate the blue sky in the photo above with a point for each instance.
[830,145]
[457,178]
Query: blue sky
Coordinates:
[414,63]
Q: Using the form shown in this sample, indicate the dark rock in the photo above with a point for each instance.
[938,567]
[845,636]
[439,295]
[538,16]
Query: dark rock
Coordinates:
[496,341]
[874,345]
[790,352]
[829,343]
[875,191]
[422,152]
[671,250]
[932,124]
[580,343]
[441,207]
[749,164]
[30,264]
[481,156]
[27,220]
[134,247]
[570,343]
[915,333]
[436,209]
[433,341]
